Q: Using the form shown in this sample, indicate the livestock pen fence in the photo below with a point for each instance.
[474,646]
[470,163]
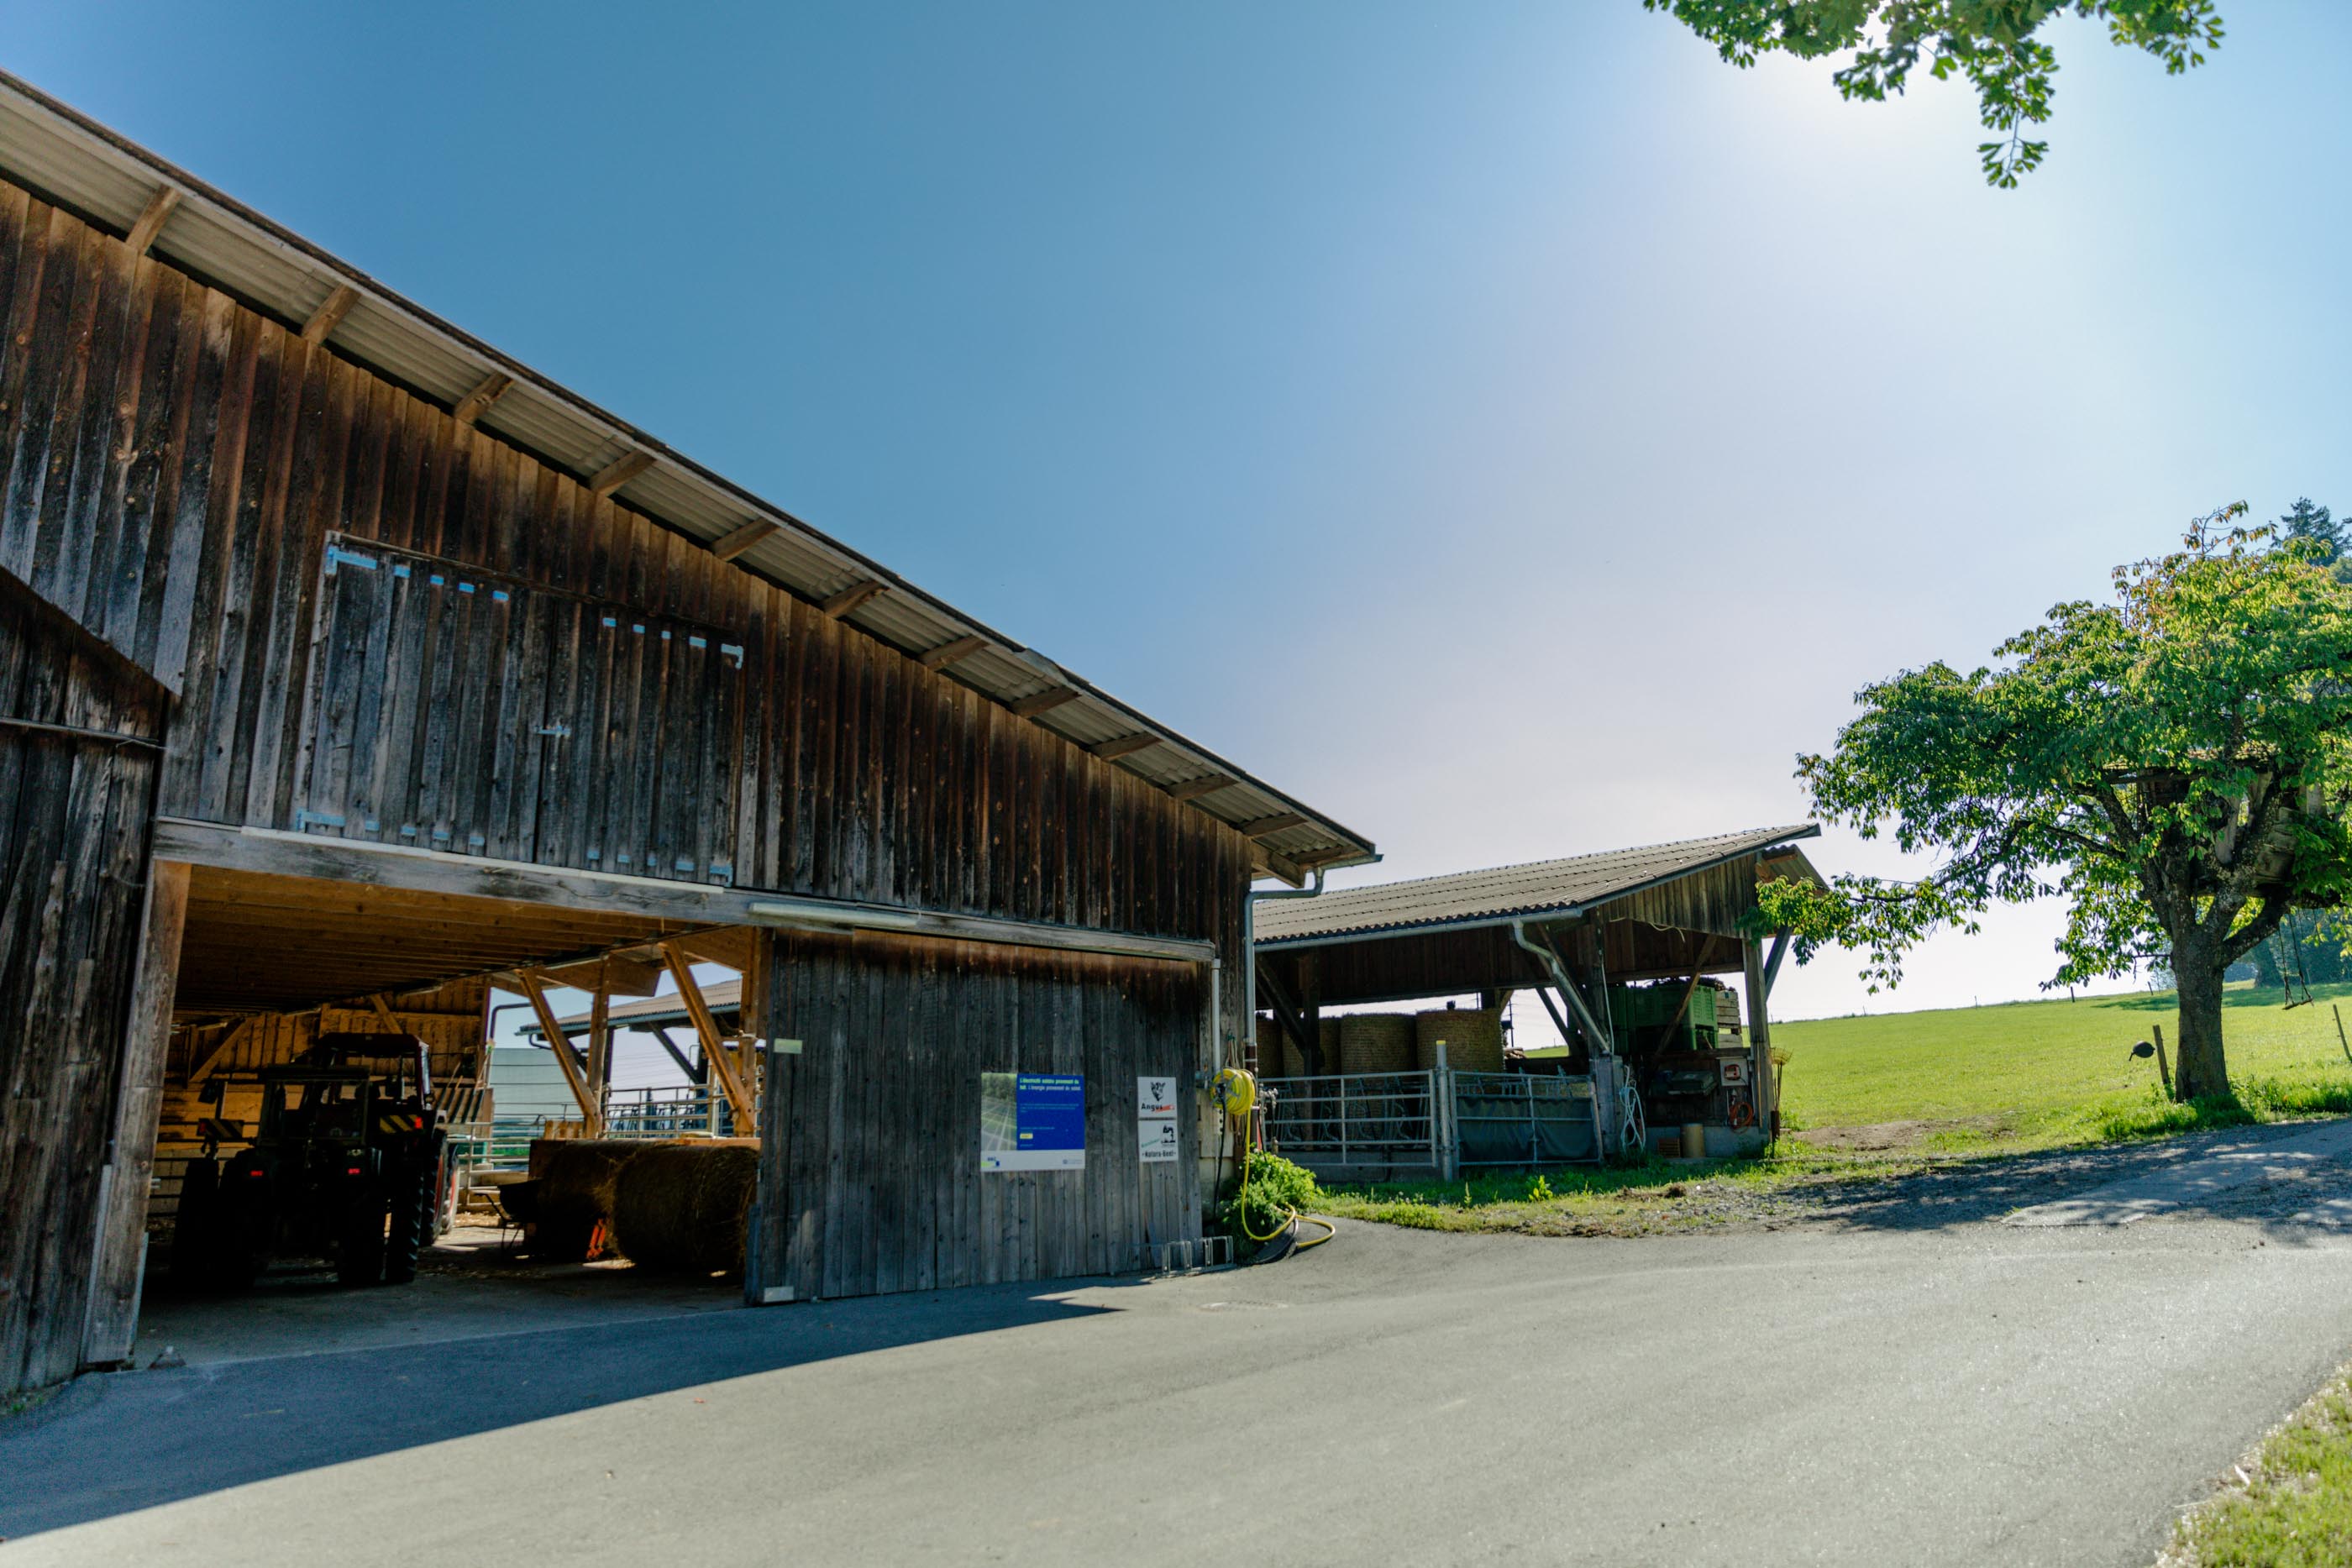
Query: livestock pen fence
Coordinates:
[1432,1123]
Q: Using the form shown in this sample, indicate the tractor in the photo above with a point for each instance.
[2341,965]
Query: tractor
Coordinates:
[346,1165]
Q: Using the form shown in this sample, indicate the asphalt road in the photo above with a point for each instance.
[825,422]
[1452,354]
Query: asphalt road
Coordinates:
[1971,1392]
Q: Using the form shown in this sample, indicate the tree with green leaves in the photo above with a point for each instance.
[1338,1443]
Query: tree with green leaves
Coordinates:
[2317,527]
[1994,43]
[2176,764]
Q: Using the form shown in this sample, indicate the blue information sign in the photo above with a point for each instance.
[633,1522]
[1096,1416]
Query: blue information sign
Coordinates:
[1032,1122]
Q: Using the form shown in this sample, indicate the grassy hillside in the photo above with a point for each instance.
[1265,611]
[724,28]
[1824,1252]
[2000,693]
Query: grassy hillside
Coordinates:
[2030,1073]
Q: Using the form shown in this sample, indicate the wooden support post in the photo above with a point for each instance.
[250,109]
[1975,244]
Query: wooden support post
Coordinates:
[735,541]
[120,1258]
[1310,1015]
[486,391]
[591,1111]
[151,219]
[1759,1035]
[330,311]
[384,1011]
[947,654]
[840,604]
[599,1043]
[706,1029]
[1285,1014]
[619,471]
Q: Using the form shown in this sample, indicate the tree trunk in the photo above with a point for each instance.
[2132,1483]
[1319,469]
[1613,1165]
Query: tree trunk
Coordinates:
[2201,1070]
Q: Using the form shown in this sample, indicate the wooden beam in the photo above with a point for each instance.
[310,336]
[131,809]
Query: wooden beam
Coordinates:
[383,1011]
[1044,702]
[599,1043]
[706,1030]
[660,904]
[228,1042]
[487,390]
[1772,963]
[1111,750]
[150,220]
[1193,789]
[840,604]
[735,541]
[729,945]
[331,311]
[619,471]
[622,977]
[591,1112]
[947,654]
[1279,822]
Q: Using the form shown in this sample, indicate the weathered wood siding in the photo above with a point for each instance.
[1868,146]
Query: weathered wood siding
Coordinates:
[871,1180]
[74,815]
[174,468]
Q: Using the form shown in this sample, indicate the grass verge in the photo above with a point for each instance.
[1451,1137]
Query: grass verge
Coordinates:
[2290,1504]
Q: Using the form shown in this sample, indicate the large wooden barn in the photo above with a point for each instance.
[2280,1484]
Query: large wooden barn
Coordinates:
[346,664]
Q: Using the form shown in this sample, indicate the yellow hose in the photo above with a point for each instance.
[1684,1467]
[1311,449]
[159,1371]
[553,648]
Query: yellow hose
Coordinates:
[1236,1089]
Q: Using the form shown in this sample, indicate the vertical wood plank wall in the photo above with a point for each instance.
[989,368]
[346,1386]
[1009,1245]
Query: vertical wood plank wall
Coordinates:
[172,465]
[870,1176]
[173,469]
[74,814]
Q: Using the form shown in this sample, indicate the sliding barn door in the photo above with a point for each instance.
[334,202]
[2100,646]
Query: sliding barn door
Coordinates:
[455,710]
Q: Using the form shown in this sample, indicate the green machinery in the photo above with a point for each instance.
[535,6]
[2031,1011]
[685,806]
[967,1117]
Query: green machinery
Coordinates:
[1637,1015]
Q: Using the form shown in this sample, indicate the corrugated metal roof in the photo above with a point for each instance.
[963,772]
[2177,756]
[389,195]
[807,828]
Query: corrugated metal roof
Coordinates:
[71,159]
[1539,887]
[718,996]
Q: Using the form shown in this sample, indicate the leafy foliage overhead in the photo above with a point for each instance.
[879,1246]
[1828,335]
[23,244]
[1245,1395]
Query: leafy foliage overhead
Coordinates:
[2176,764]
[1993,43]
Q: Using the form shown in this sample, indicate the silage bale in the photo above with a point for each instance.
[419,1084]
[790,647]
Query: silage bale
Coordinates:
[572,1182]
[1473,1036]
[1376,1043]
[683,1209]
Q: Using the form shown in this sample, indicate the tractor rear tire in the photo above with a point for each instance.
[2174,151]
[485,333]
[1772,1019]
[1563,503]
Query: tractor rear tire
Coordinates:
[358,1249]
[415,1207]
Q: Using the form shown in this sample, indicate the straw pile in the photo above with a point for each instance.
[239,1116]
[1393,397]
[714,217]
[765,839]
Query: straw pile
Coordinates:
[1376,1043]
[683,1209]
[572,1194]
[1473,1036]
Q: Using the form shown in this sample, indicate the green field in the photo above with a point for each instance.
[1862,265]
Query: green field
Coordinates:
[2032,1074]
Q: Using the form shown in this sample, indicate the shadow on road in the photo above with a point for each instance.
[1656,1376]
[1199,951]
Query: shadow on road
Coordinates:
[1993,1186]
[108,1444]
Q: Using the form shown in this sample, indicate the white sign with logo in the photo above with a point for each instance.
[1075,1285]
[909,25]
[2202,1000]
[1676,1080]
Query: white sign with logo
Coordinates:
[1155,1119]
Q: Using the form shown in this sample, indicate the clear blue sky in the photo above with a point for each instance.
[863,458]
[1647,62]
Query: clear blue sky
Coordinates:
[1503,427]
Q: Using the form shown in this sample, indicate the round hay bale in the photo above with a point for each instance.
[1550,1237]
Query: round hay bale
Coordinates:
[682,1208]
[1276,1056]
[1473,1036]
[1376,1043]
[572,1182]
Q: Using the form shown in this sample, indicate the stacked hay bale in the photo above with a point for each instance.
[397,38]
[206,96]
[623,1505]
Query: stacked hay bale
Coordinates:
[683,1209]
[1473,1036]
[1375,1043]
[570,1195]
[1276,1056]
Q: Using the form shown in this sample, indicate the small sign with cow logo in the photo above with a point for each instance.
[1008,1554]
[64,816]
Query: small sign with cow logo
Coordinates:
[1155,1119]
